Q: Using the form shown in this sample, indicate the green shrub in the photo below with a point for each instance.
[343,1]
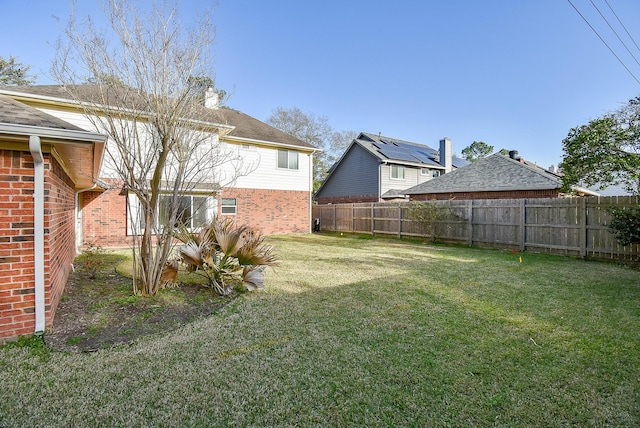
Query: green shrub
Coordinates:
[225,254]
[625,224]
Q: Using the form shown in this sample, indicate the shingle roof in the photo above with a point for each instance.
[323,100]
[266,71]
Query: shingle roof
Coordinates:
[403,152]
[248,127]
[493,173]
[17,113]
[245,126]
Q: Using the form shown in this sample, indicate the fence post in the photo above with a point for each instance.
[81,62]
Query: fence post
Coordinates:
[353,217]
[523,224]
[582,218]
[373,228]
[470,222]
[399,221]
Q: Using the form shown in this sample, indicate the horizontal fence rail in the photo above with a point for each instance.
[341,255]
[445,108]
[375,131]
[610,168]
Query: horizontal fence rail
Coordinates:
[572,226]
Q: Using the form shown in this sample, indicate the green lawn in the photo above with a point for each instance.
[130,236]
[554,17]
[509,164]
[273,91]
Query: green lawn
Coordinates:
[354,331]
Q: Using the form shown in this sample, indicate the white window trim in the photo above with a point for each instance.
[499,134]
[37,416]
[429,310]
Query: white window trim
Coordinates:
[289,152]
[399,168]
[235,206]
[134,211]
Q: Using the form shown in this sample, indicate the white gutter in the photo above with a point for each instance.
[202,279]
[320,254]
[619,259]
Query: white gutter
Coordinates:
[38,230]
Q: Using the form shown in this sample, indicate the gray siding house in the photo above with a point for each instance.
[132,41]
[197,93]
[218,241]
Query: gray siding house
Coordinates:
[376,168]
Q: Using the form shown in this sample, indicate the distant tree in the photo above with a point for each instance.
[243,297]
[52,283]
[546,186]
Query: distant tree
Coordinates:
[477,150]
[316,131]
[200,84]
[14,73]
[606,151]
[504,152]
[338,144]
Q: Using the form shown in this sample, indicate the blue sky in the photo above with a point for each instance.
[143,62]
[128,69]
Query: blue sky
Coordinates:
[516,74]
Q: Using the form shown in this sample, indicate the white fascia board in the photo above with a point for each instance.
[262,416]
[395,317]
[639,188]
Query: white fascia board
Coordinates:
[57,133]
[241,140]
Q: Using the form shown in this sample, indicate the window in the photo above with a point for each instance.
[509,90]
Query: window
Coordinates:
[287,159]
[425,171]
[229,206]
[397,172]
[192,210]
[436,173]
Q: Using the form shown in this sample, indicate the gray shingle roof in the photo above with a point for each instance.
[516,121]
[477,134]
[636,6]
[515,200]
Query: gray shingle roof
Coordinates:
[17,113]
[244,125]
[491,174]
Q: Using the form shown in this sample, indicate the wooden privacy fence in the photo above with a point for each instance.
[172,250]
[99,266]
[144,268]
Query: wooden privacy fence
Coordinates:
[572,226]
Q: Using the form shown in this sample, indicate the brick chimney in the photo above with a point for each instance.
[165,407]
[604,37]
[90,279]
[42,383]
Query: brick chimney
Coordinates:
[446,154]
[211,98]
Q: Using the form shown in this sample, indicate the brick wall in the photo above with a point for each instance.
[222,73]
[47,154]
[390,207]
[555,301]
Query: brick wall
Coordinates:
[17,289]
[104,216]
[60,234]
[271,211]
[519,194]
[16,244]
[347,199]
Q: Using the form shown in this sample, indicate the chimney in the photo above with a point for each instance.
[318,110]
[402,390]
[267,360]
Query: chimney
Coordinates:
[210,98]
[513,154]
[445,154]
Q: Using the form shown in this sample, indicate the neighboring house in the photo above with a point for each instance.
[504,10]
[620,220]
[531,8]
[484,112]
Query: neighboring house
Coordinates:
[376,168]
[59,194]
[44,162]
[494,177]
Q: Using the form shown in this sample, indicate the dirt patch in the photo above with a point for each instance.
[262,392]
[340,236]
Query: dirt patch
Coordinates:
[98,309]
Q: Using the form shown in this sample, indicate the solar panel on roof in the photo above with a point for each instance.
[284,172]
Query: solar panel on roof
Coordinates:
[427,154]
[397,155]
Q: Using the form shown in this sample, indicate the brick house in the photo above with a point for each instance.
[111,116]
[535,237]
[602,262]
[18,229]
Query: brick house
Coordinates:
[275,197]
[85,203]
[494,177]
[44,161]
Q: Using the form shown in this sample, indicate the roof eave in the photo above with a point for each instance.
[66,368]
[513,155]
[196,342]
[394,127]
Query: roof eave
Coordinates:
[243,140]
[223,129]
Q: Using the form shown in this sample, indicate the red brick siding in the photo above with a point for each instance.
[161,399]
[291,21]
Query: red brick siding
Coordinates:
[17,289]
[16,244]
[104,216]
[520,194]
[347,199]
[60,234]
[271,211]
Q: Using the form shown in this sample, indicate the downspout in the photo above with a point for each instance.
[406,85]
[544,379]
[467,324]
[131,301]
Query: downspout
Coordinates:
[380,165]
[38,230]
[311,192]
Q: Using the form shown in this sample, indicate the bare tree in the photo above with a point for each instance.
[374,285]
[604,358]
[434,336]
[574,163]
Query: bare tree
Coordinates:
[162,143]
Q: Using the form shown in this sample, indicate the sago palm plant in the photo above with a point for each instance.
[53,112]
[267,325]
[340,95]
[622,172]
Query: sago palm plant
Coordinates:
[226,254]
